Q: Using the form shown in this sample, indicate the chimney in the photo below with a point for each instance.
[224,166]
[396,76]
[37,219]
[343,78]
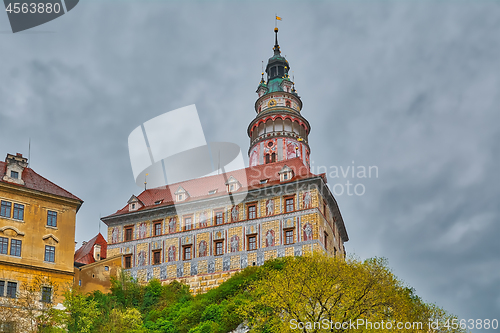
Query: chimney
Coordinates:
[97,252]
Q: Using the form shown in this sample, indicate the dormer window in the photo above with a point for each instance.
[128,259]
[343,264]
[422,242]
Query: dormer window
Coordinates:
[15,167]
[232,184]
[212,192]
[264,181]
[158,202]
[286,173]
[134,203]
[181,194]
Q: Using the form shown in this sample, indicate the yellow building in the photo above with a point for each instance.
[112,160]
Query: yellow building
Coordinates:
[37,232]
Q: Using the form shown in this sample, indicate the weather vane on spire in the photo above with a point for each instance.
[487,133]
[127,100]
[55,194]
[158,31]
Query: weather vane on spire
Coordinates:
[276,21]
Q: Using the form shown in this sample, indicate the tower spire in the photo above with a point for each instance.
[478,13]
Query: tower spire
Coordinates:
[276,47]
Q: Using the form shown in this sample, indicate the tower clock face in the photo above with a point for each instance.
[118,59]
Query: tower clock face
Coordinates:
[271,103]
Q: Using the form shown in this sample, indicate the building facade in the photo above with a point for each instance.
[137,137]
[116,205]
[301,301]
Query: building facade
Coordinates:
[37,231]
[191,231]
[93,267]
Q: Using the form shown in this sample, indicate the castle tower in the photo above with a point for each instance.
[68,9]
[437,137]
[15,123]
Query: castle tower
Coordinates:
[279,131]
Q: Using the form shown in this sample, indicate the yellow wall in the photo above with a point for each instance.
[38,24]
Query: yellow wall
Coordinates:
[94,276]
[35,235]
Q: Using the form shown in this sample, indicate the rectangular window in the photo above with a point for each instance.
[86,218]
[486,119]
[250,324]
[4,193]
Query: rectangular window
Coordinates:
[252,212]
[289,236]
[50,253]
[2,288]
[219,248]
[14,174]
[187,223]
[289,207]
[15,247]
[46,294]
[18,212]
[158,229]
[334,251]
[51,218]
[5,208]
[127,261]
[219,218]
[12,289]
[157,257]
[252,242]
[326,240]
[187,252]
[128,234]
[4,245]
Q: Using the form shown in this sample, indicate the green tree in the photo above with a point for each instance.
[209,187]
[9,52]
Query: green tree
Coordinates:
[325,290]
[82,312]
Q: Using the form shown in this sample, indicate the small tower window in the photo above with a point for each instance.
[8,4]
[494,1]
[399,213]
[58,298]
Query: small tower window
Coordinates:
[288,104]
[14,174]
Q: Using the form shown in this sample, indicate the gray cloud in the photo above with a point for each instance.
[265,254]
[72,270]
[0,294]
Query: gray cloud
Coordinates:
[411,88]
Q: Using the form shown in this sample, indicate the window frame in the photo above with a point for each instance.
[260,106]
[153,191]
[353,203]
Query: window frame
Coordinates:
[4,245]
[12,241]
[2,288]
[185,249]
[155,225]
[156,253]
[51,218]
[216,247]
[286,231]
[10,285]
[126,231]
[250,205]
[18,212]
[50,253]
[12,172]
[252,236]
[292,197]
[4,205]
[46,290]
[129,258]
[184,219]
[219,215]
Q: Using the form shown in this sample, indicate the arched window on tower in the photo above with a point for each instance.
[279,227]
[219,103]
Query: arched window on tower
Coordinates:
[269,126]
[296,127]
[278,125]
[268,158]
[288,104]
[288,125]
[273,157]
[261,128]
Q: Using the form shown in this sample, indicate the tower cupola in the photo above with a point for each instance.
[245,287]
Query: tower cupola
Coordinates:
[278,132]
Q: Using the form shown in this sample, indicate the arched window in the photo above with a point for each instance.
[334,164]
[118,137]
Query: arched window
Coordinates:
[296,127]
[278,124]
[288,125]
[288,104]
[273,157]
[269,126]
[261,128]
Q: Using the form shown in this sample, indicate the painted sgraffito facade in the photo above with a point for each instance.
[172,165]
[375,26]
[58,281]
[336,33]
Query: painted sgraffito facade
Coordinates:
[192,232]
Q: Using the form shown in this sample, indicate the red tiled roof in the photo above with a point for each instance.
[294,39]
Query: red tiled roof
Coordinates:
[34,181]
[85,254]
[198,188]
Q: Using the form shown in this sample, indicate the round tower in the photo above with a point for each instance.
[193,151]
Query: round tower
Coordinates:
[278,132]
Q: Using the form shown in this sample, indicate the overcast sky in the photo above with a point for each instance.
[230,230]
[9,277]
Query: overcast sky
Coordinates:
[411,87]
